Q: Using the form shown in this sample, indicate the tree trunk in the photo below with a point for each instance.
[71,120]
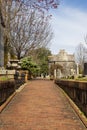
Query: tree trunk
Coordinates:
[5,51]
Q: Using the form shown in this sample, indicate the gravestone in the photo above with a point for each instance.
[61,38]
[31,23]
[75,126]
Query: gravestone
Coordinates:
[85,65]
[85,68]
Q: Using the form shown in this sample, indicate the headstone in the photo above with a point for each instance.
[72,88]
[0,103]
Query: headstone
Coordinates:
[85,65]
[85,68]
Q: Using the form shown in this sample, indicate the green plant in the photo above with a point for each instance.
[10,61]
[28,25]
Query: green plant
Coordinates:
[4,78]
[28,64]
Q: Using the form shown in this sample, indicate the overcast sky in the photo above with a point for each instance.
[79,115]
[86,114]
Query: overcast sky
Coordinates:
[69,24]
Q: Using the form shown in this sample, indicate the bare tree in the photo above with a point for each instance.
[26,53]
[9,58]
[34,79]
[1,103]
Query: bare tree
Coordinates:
[9,12]
[14,11]
[80,55]
[85,38]
[30,32]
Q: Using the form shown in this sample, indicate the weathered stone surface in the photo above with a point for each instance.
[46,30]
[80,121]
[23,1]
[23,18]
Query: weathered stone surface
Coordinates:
[5,72]
[66,61]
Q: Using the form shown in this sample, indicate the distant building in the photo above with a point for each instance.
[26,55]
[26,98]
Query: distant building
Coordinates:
[64,64]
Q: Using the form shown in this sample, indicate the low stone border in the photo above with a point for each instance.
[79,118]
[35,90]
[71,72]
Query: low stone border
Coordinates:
[75,107]
[6,102]
[10,97]
[76,90]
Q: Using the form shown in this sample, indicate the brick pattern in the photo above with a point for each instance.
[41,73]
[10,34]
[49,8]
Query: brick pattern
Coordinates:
[40,106]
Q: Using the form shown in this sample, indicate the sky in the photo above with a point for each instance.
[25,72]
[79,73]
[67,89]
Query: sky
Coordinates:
[69,24]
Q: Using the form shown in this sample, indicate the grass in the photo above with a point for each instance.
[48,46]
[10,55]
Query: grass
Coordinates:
[4,78]
[76,79]
[81,79]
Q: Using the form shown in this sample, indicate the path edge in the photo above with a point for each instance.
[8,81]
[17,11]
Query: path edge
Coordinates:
[11,97]
[75,107]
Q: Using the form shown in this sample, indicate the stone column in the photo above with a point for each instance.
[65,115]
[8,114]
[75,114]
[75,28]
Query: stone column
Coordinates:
[59,74]
[55,74]
[77,69]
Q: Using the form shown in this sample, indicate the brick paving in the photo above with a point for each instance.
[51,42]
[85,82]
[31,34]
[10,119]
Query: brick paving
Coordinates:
[40,105]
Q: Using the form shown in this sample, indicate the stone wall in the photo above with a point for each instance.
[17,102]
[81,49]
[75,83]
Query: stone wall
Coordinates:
[77,91]
[8,73]
[6,89]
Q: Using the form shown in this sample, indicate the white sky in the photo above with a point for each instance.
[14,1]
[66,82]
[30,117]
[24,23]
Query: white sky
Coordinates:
[70,27]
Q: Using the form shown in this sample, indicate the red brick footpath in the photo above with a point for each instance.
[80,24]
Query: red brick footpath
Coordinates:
[40,106]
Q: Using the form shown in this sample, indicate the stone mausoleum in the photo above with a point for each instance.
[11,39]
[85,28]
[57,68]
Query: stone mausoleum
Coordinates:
[63,63]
